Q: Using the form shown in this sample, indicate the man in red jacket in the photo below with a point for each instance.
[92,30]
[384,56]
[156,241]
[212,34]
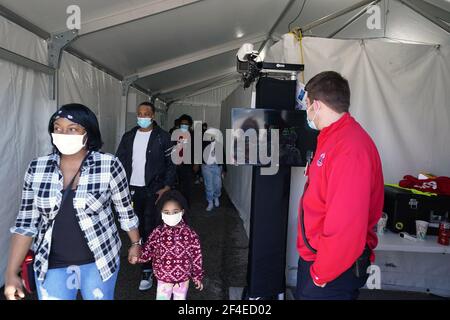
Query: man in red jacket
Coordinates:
[342,200]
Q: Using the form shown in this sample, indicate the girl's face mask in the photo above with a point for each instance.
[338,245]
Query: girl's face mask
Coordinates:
[172,219]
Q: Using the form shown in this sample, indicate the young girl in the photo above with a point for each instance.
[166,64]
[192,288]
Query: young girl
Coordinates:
[174,249]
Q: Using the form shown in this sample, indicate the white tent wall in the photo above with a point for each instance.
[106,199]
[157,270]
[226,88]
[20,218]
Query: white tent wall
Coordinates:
[18,40]
[161,113]
[203,107]
[399,95]
[25,109]
[79,82]
[209,114]
[134,98]
[238,180]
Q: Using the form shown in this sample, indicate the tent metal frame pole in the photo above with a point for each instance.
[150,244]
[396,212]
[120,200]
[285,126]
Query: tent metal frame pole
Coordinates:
[93,62]
[23,61]
[420,9]
[334,15]
[27,25]
[280,18]
[12,16]
[354,18]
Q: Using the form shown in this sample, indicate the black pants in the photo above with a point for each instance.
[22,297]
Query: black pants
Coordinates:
[145,208]
[345,287]
[185,181]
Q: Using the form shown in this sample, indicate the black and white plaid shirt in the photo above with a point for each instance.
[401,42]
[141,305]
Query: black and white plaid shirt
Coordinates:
[102,183]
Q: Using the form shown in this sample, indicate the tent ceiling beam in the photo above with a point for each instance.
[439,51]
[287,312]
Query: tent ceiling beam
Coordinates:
[217,85]
[354,18]
[434,14]
[197,56]
[276,24]
[27,25]
[93,62]
[25,62]
[213,87]
[126,84]
[334,15]
[196,82]
[130,15]
[195,104]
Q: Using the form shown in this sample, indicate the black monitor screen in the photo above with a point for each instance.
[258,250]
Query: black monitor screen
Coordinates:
[296,138]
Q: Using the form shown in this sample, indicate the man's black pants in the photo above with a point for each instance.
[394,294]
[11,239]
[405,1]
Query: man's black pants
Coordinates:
[185,181]
[145,208]
[345,287]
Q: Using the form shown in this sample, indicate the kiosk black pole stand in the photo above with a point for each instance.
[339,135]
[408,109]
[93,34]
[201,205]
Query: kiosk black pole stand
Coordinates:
[269,207]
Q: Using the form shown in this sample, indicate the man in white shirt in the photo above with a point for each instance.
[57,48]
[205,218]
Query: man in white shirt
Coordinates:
[150,172]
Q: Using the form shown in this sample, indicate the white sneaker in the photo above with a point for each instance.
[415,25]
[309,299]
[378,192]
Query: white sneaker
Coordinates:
[216,202]
[210,206]
[146,282]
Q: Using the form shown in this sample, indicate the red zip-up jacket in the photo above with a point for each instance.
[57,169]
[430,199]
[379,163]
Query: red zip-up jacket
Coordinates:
[175,253]
[343,201]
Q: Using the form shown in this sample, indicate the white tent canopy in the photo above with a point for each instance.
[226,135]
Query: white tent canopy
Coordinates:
[175,47]
[179,53]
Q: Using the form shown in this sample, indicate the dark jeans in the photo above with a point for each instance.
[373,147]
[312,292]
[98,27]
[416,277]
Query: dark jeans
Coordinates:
[345,287]
[185,181]
[145,208]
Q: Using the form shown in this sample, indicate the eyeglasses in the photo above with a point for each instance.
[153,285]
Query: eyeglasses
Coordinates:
[171,212]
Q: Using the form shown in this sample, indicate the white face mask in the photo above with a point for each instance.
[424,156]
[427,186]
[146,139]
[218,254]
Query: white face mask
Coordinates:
[68,144]
[172,219]
[311,123]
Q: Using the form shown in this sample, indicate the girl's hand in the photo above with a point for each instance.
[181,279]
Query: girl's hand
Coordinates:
[133,254]
[134,260]
[198,285]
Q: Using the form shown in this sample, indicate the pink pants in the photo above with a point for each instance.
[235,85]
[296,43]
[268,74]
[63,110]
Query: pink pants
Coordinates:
[165,290]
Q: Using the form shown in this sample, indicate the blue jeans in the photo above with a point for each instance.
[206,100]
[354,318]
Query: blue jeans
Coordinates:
[212,175]
[64,283]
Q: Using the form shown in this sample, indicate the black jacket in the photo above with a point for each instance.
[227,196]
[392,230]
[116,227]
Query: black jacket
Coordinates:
[159,168]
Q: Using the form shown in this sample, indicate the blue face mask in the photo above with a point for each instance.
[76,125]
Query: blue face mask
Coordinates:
[311,123]
[144,123]
[184,127]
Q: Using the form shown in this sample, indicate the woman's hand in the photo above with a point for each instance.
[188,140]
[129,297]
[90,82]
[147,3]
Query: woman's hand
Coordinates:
[14,288]
[159,193]
[134,253]
[198,285]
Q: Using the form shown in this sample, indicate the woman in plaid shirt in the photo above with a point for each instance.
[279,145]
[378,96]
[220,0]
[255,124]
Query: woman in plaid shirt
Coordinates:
[66,214]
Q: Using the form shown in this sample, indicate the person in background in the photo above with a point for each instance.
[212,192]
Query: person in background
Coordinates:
[342,200]
[174,249]
[186,171]
[198,175]
[213,169]
[176,125]
[150,172]
[66,212]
